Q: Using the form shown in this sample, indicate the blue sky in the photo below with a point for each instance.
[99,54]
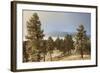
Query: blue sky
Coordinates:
[60,21]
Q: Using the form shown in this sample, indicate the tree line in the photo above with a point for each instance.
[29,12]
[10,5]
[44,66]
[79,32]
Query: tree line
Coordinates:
[35,46]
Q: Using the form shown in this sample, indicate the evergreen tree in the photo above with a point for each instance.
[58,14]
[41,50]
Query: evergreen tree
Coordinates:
[87,45]
[50,46]
[61,45]
[34,35]
[25,54]
[81,39]
[57,43]
[44,48]
[68,44]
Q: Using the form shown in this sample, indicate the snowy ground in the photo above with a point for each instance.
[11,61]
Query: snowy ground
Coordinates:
[71,57]
[76,57]
[58,56]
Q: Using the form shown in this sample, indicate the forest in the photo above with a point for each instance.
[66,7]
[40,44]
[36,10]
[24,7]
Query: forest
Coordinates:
[38,49]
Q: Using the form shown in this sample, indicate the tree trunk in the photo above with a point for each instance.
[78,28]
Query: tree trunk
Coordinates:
[81,50]
[81,53]
[44,57]
[38,57]
[50,57]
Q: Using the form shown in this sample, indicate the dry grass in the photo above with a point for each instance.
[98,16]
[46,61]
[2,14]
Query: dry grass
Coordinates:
[77,57]
[71,57]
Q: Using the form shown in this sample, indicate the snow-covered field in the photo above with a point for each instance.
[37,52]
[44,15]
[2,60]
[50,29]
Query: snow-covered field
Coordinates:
[58,57]
[76,57]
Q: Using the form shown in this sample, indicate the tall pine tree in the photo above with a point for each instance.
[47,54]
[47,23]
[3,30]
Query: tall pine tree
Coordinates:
[81,38]
[57,43]
[50,46]
[68,44]
[34,35]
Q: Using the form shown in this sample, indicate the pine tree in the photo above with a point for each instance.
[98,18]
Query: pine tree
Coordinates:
[34,35]
[50,46]
[68,44]
[81,39]
[44,48]
[57,43]
[25,54]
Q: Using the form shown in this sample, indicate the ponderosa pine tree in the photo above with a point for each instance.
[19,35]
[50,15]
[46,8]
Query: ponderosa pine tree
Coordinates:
[44,48]
[80,38]
[50,46]
[25,54]
[68,44]
[34,35]
[57,43]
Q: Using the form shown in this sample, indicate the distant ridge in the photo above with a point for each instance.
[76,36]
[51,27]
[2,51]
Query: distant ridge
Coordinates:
[61,34]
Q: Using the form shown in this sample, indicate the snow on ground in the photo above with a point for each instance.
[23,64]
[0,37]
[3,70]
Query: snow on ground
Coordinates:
[76,57]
